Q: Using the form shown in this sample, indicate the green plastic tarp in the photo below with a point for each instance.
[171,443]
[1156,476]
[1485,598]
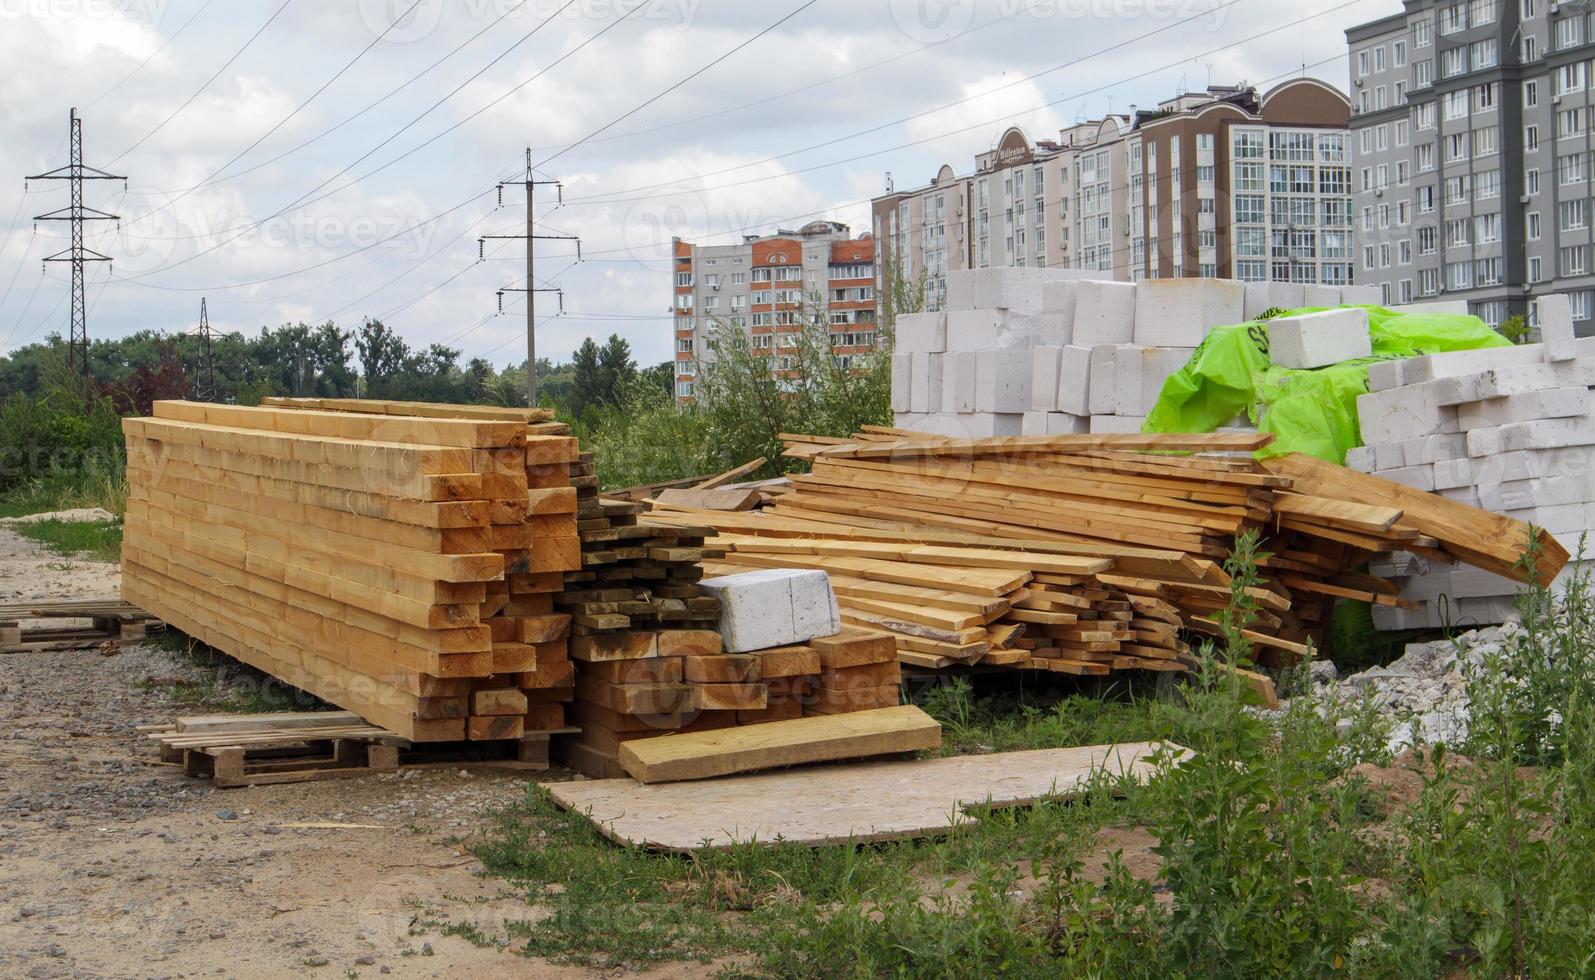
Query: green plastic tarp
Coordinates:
[1311,412]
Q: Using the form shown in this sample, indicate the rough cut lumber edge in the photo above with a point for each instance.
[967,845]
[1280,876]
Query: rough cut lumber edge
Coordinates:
[1490,541]
[372,406]
[1015,445]
[818,738]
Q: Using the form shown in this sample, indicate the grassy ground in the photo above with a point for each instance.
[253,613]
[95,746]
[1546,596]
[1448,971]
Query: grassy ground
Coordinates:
[217,684]
[950,907]
[99,540]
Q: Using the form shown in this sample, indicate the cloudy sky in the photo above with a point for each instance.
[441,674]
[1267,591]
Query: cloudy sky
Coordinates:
[306,160]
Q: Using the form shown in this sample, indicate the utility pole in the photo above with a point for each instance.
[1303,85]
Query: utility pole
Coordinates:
[205,371]
[76,173]
[531,237]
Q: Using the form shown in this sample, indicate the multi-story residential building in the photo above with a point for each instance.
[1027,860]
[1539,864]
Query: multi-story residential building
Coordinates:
[769,286]
[1471,142]
[1224,183]
[1471,146]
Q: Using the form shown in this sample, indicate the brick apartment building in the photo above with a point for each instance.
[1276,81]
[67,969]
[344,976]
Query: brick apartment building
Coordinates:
[766,285]
[1472,125]
[1227,182]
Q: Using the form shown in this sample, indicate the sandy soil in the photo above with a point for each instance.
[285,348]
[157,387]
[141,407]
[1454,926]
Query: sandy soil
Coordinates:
[114,865]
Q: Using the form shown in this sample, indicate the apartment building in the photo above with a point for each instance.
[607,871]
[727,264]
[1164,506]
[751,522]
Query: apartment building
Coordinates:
[1226,182]
[1470,146]
[767,285]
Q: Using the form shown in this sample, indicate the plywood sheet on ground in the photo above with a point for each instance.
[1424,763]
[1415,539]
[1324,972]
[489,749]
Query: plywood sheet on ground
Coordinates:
[839,803]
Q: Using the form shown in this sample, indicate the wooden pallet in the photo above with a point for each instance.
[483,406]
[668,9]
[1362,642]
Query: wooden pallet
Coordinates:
[298,747]
[111,621]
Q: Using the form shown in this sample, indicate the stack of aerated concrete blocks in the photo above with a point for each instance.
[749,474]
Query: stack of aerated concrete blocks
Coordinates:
[1507,429]
[1020,351]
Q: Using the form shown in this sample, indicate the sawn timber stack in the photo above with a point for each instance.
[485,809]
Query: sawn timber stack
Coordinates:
[399,561]
[1088,554]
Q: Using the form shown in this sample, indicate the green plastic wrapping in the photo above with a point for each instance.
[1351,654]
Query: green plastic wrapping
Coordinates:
[1310,412]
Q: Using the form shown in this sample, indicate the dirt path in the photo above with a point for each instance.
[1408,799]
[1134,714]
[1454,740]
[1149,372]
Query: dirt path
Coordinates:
[114,865]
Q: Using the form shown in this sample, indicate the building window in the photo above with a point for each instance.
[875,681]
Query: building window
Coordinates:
[1423,34]
[1569,32]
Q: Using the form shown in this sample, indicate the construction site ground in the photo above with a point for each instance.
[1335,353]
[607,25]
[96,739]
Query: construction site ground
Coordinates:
[113,865]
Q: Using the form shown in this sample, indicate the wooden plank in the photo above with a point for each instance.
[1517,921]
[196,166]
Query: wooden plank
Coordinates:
[1489,541]
[832,804]
[460,433]
[732,475]
[1017,445]
[821,738]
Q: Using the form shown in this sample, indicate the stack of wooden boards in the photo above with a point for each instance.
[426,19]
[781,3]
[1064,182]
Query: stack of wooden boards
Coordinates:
[642,685]
[1087,554]
[398,560]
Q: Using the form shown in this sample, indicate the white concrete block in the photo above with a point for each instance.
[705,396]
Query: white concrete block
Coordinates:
[902,382]
[1264,296]
[1002,381]
[960,290]
[1434,449]
[1055,424]
[1027,330]
[989,425]
[774,607]
[1104,313]
[1400,414]
[921,333]
[1416,477]
[974,329]
[919,384]
[1320,296]
[1116,424]
[1361,296]
[1552,403]
[1141,372]
[1044,378]
[1452,364]
[1388,456]
[1104,388]
[1573,461]
[1550,491]
[1361,459]
[958,382]
[1180,312]
[1067,424]
[1555,314]
[1514,380]
[1384,375]
[1060,299]
[1559,519]
[1315,340]
[1074,381]
[1008,289]
[1539,434]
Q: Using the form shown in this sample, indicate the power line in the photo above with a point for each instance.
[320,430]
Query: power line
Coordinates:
[284,120]
[197,92]
[301,201]
[346,121]
[157,53]
[633,111]
[1001,18]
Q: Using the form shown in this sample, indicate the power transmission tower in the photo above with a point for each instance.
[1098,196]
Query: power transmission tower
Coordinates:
[205,371]
[531,183]
[76,173]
